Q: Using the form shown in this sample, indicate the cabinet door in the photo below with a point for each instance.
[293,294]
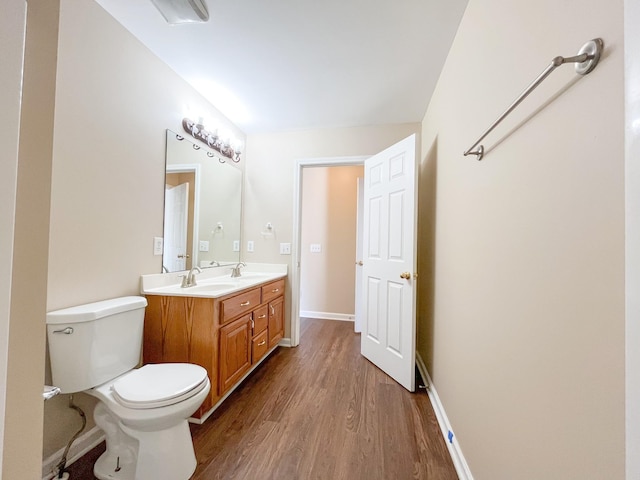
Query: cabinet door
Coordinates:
[235,352]
[276,321]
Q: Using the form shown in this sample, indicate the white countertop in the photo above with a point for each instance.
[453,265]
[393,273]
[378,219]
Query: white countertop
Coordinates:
[212,282]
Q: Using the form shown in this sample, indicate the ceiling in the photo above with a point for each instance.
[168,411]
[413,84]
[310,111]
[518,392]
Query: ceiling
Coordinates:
[301,64]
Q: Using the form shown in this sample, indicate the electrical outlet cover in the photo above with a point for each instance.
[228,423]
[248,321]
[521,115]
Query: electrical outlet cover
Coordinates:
[158,245]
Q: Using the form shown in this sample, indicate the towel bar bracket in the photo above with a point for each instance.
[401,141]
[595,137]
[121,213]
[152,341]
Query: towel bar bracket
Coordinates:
[586,60]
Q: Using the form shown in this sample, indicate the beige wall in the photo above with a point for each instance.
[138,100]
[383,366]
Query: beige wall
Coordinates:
[329,205]
[26,336]
[528,316]
[270,168]
[114,101]
[12,22]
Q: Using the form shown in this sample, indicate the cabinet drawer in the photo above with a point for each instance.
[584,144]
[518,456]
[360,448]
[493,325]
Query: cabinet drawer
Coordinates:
[259,347]
[234,306]
[260,320]
[272,290]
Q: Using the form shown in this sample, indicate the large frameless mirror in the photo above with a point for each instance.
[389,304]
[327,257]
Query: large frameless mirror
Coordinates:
[202,207]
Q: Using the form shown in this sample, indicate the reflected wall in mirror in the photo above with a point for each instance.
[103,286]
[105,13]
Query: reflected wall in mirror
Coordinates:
[203,207]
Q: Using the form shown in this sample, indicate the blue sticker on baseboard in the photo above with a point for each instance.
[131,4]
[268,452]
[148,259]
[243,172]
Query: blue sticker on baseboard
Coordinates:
[450,436]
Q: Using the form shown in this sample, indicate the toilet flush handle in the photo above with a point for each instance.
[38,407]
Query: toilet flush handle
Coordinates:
[66,331]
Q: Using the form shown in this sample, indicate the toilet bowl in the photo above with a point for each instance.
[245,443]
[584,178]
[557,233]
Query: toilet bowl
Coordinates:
[143,411]
[155,395]
[147,436]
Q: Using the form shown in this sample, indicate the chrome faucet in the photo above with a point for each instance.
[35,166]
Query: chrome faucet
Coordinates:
[235,271]
[189,280]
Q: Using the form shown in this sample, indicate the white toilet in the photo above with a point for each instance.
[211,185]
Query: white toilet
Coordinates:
[94,349]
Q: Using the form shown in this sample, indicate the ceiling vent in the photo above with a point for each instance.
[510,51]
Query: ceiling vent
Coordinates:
[182,11]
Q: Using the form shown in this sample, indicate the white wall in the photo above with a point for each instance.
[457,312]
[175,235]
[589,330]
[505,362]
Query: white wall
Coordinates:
[12,24]
[528,309]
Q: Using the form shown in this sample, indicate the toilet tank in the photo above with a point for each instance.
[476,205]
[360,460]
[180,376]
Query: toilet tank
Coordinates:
[94,343]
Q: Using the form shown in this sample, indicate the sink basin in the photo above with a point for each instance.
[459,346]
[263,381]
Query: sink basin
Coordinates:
[211,287]
[250,276]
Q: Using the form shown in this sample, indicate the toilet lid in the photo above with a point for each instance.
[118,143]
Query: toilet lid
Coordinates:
[159,385]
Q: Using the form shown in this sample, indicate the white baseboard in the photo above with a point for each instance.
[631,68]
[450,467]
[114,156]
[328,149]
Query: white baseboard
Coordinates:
[83,444]
[344,317]
[459,462]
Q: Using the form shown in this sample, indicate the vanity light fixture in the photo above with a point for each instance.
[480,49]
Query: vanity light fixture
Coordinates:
[226,145]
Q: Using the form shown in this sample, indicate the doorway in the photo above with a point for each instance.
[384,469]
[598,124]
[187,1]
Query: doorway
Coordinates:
[298,245]
[328,233]
[390,244]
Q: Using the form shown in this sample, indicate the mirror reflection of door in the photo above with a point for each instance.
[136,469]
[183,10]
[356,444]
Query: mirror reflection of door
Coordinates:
[178,221]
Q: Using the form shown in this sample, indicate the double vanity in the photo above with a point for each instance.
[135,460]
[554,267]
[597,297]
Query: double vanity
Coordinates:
[223,323]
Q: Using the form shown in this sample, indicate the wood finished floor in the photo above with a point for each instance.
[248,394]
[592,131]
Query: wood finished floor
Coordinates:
[318,411]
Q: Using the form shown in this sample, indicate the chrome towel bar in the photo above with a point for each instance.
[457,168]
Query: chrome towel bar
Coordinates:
[586,60]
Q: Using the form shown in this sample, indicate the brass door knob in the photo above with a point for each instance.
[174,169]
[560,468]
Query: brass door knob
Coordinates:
[405,275]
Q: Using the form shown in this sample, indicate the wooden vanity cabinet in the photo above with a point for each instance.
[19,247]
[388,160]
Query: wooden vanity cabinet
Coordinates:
[227,335]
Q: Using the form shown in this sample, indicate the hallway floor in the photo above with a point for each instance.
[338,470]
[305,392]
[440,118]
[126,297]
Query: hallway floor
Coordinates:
[320,411]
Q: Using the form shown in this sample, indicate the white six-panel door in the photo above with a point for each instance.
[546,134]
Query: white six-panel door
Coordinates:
[176,215]
[389,327]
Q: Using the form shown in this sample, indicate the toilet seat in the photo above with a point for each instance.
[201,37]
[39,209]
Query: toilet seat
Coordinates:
[159,385]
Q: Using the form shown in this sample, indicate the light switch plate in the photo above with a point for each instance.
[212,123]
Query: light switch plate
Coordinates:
[236,245]
[250,246]
[158,245]
[315,248]
[204,246]
[285,249]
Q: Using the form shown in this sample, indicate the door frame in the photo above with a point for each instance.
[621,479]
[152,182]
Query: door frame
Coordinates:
[297,233]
